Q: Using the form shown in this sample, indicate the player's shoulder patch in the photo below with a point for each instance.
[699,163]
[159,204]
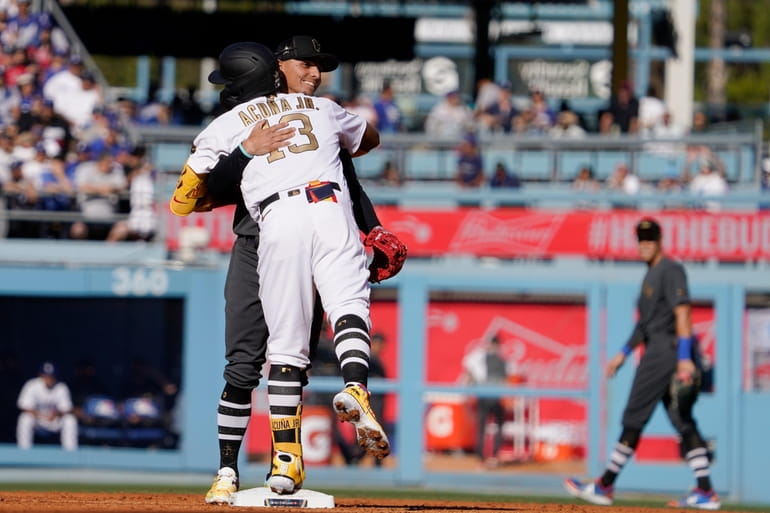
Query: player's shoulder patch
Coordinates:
[192,149]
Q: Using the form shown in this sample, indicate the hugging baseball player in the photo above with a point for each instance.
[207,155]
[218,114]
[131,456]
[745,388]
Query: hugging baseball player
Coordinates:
[303,52]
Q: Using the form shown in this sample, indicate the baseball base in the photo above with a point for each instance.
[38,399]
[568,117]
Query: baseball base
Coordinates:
[266,498]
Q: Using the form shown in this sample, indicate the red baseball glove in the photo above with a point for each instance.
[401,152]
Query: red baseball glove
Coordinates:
[389,254]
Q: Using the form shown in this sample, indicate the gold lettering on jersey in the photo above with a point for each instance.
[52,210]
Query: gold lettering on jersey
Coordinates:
[283,424]
[264,110]
[247,118]
[647,290]
[273,106]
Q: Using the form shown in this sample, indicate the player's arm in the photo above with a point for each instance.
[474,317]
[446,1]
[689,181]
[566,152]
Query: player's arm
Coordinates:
[685,366]
[369,141]
[363,209]
[617,361]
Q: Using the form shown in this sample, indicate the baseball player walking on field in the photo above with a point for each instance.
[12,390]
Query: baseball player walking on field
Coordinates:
[668,373]
[246,345]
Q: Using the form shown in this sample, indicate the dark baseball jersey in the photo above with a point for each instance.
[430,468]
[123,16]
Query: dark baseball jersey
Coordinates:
[663,289]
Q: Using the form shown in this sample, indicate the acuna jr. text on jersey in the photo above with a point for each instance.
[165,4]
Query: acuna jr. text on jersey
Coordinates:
[253,112]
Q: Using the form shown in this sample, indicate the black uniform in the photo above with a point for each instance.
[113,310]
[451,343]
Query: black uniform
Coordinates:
[663,289]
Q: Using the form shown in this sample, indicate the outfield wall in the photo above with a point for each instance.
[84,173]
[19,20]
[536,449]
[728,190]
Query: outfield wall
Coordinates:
[734,416]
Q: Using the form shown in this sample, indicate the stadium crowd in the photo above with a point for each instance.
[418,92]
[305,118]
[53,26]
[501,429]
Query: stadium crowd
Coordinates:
[65,152]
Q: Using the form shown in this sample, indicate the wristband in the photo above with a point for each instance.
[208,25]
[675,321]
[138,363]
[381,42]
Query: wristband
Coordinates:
[245,153]
[684,348]
[626,350]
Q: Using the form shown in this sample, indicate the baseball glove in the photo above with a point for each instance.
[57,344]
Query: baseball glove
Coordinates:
[190,194]
[389,254]
[683,395]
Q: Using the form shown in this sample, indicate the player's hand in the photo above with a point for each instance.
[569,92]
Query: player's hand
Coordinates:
[263,139]
[614,364]
[685,370]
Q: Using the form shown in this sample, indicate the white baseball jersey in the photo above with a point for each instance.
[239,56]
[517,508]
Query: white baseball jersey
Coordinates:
[36,396]
[308,237]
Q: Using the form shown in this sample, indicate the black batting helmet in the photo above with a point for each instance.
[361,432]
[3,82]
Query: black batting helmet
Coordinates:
[247,70]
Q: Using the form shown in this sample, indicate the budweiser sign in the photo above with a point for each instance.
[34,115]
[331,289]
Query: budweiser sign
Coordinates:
[522,233]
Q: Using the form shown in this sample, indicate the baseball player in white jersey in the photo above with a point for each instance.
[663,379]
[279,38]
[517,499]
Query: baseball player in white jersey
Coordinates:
[46,404]
[308,240]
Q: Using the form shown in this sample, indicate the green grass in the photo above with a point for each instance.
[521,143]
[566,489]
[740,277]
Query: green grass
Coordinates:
[418,494]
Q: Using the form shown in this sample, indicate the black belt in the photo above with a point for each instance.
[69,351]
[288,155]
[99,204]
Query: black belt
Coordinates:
[291,192]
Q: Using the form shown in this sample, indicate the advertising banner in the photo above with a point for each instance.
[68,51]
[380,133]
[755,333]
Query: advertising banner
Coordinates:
[526,233]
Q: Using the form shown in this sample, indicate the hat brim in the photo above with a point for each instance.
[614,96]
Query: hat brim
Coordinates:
[325,61]
[215,77]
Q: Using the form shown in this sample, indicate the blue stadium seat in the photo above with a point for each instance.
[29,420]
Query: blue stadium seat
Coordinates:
[429,164]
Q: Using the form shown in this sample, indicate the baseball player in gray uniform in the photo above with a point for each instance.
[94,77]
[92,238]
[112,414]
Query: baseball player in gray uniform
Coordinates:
[346,411]
[668,373]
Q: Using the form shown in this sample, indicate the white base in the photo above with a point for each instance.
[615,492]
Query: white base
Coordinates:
[266,498]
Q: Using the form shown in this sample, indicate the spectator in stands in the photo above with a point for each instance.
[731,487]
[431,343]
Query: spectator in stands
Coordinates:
[59,62]
[388,111]
[651,111]
[497,116]
[185,109]
[567,126]
[142,222]
[19,65]
[362,105]
[470,168]
[709,181]
[55,132]
[24,146]
[155,111]
[487,93]
[98,185]
[624,109]
[390,175]
[501,177]
[9,100]
[700,123]
[74,94]
[46,408]
[20,194]
[25,24]
[585,180]
[606,125]
[56,194]
[451,117]
[28,109]
[623,180]
[543,117]
[6,156]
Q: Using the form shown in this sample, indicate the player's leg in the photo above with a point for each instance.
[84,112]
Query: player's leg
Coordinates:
[69,432]
[284,392]
[245,347]
[340,273]
[25,430]
[647,390]
[695,449]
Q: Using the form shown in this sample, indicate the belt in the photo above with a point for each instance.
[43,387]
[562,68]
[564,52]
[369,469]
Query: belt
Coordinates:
[291,192]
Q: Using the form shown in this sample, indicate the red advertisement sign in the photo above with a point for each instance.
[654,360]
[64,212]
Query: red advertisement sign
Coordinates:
[521,232]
